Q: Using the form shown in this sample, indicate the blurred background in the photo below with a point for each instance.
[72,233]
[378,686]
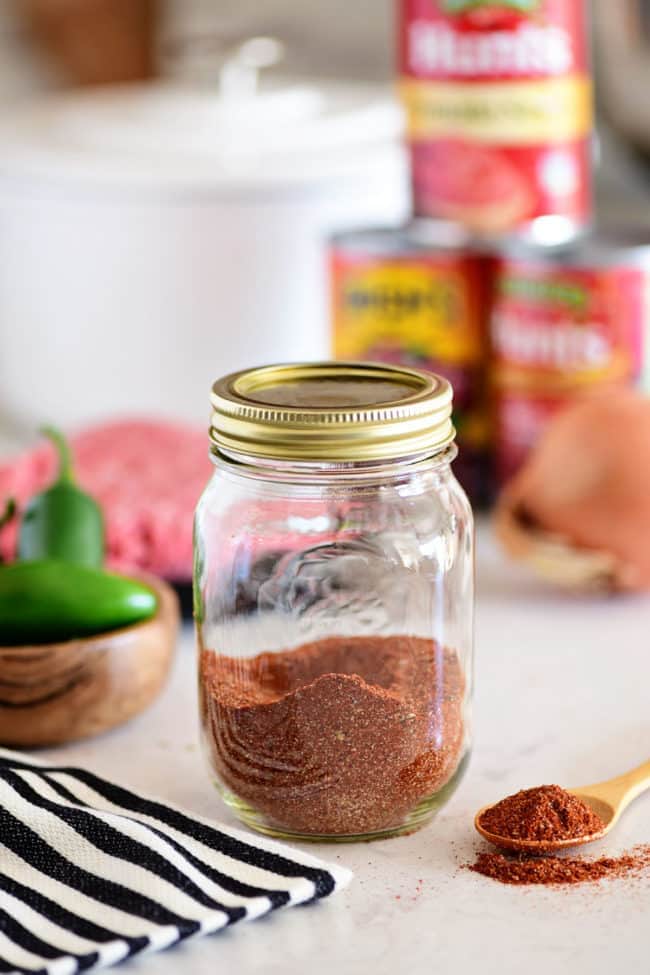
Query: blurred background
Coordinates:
[175,230]
[178,224]
[171,175]
[45,41]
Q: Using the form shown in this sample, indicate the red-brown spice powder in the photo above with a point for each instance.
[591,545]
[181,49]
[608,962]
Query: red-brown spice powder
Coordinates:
[546,813]
[523,869]
[549,814]
[340,736]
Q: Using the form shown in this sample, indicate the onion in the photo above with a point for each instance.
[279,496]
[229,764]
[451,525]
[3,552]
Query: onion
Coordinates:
[579,509]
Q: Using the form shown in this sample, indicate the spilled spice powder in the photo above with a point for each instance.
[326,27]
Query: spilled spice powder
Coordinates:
[552,870]
[546,813]
[340,736]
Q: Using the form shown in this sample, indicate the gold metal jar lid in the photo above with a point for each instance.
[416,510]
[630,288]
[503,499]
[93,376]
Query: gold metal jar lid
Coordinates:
[331,411]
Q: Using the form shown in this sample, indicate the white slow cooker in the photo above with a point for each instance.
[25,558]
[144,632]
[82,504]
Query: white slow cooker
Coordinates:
[155,237]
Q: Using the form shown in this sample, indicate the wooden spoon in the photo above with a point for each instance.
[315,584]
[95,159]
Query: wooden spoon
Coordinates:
[609,800]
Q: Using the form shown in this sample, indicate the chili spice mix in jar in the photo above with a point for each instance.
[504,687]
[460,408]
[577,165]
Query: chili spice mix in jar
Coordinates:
[334,600]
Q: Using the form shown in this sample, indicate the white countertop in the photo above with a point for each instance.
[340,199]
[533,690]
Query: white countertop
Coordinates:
[561,696]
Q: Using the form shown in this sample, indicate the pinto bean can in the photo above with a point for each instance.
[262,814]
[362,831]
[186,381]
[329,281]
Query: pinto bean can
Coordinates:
[499,104]
[564,325]
[416,297]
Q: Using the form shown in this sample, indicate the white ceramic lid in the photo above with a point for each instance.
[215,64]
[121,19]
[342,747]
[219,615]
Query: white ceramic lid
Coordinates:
[290,134]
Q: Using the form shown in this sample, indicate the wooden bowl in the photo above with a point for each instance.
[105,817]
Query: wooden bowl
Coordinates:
[57,692]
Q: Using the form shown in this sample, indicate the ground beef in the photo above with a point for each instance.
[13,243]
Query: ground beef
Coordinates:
[146,475]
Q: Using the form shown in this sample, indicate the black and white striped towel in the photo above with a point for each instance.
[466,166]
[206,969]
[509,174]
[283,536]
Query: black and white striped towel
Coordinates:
[91,873]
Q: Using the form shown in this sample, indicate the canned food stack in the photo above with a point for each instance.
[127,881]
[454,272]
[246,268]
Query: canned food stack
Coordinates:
[497,283]
[417,297]
[564,324]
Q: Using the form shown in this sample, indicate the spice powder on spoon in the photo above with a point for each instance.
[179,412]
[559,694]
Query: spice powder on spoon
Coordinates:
[546,813]
[550,813]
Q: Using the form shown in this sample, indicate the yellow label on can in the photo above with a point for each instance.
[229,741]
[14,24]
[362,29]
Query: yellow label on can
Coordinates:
[500,112]
[424,309]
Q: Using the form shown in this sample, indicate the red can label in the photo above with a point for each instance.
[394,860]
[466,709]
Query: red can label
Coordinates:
[521,417]
[559,332]
[499,105]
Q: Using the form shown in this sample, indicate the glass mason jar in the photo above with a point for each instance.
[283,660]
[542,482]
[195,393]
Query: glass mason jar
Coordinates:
[334,600]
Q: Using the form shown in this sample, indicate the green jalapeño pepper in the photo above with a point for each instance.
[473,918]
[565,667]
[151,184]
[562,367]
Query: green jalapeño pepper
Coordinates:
[63,522]
[48,602]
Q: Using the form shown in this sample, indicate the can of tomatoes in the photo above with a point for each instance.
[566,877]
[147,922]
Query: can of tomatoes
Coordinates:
[499,106]
[416,296]
[564,324]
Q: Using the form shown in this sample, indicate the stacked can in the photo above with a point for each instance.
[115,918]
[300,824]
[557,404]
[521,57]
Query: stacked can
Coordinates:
[499,118]
[564,324]
[499,112]
[418,297]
